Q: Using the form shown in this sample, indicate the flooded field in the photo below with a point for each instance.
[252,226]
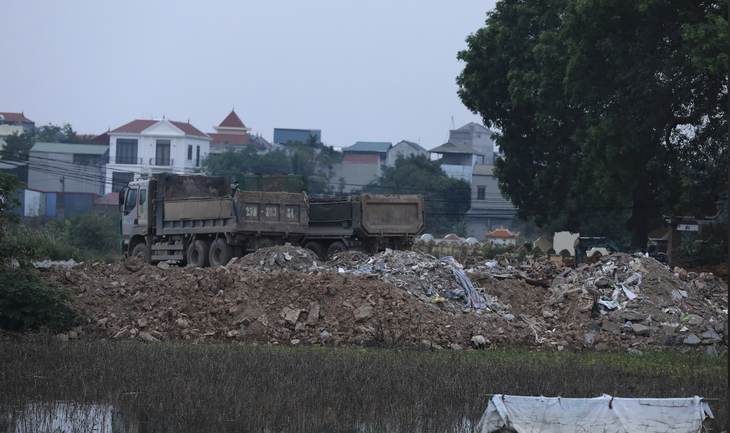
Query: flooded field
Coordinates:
[231,388]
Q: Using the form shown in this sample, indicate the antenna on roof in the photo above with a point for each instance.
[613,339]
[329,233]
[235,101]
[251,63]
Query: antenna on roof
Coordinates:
[452,123]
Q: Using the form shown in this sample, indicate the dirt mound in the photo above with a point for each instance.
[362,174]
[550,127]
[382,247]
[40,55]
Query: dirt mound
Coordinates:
[285,295]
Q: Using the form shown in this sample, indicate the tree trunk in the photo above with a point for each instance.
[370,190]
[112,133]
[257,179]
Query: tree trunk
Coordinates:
[638,224]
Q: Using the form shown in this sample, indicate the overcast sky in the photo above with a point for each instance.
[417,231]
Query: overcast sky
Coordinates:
[358,71]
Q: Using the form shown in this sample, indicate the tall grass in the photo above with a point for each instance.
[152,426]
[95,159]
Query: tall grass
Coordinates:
[43,243]
[167,387]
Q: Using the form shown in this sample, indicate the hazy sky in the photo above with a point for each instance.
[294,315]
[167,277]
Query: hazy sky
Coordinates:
[359,71]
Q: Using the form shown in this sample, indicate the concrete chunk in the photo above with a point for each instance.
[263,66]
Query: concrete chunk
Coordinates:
[640,329]
[363,312]
[692,340]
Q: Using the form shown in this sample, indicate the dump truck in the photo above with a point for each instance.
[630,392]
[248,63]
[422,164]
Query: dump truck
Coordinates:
[207,220]
[366,222]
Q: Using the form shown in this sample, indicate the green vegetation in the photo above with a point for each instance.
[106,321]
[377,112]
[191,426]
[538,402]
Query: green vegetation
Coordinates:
[26,302]
[82,237]
[17,146]
[166,387]
[311,159]
[605,108]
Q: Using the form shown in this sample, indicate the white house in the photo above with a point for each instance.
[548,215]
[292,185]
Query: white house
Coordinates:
[404,148]
[153,146]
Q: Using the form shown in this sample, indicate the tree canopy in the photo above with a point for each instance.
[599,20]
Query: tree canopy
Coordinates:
[233,162]
[18,145]
[608,107]
[296,158]
[447,199]
[9,184]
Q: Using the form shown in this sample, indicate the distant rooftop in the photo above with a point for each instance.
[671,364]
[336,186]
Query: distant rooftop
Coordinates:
[77,149]
[413,145]
[369,146]
[452,147]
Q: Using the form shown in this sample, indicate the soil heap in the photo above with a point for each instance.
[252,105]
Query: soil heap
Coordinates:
[285,295]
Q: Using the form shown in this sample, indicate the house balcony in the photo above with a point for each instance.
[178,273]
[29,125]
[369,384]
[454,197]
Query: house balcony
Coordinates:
[125,160]
[162,162]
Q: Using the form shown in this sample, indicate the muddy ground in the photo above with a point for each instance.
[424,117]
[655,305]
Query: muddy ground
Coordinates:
[286,296]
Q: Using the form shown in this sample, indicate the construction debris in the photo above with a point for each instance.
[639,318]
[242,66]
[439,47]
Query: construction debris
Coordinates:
[286,295]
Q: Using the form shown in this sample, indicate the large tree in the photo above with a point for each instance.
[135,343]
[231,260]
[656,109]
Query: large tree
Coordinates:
[447,199]
[607,106]
[17,146]
[234,162]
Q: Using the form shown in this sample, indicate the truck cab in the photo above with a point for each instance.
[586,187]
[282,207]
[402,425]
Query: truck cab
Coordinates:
[134,204]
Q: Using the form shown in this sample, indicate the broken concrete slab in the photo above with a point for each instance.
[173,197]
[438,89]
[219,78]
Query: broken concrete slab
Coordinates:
[692,340]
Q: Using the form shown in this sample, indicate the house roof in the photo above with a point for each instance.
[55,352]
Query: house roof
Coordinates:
[451,147]
[234,139]
[78,149]
[369,146]
[261,141]
[413,145]
[15,117]
[101,139]
[362,159]
[111,198]
[472,126]
[502,233]
[232,121]
[137,126]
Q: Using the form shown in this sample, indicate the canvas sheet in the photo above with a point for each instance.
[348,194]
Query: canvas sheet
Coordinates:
[601,414]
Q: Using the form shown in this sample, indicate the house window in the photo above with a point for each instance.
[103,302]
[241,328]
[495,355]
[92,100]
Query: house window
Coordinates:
[197,157]
[481,192]
[162,156]
[190,152]
[127,151]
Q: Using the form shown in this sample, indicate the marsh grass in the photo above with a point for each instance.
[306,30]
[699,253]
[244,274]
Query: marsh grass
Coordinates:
[181,388]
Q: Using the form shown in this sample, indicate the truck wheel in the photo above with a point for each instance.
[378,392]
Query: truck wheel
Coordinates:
[336,247]
[316,248]
[198,253]
[142,253]
[220,253]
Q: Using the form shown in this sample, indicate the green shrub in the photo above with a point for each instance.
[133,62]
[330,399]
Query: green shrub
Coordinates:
[26,302]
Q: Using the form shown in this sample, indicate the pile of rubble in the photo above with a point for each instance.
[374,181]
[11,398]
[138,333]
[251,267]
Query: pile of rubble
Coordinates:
[285,295]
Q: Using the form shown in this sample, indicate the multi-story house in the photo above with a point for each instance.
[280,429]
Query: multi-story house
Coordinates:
[476,137]
[469,155]
[153,146]
[457,159]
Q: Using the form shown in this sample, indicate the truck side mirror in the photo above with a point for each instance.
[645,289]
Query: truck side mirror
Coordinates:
[122,194]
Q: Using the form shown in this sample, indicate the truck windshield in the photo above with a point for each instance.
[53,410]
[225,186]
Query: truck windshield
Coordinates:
[131,201]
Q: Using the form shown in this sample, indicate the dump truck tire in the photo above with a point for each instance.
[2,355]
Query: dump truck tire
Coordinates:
[316,248]
[336,247]
[220,253]
[142,253]
[198,253]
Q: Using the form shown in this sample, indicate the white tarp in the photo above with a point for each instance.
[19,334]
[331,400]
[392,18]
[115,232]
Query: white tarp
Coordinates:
[602,414]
